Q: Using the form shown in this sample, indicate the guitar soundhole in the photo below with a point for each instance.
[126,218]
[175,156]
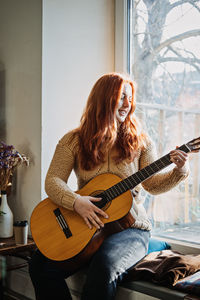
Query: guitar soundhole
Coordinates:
[104,203]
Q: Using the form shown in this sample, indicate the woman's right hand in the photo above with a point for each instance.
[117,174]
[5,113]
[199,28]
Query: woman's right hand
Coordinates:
[89,212]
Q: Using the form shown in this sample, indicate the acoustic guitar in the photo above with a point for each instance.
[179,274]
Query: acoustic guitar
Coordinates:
[61,234]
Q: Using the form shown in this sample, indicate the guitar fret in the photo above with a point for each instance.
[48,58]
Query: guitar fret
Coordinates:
[129,180]
[151,167]
[120,187]
[127,186]
[109,194]
[134,180]
[167,158]
[159,167]
[161,162]
[156,165]
[116,191]
[136,175]
[145,170]
[115,188]
[142,175]
[149,170]
[185,148]
[139,175]
[112,192]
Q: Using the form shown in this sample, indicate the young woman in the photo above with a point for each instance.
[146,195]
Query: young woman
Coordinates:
[108,140]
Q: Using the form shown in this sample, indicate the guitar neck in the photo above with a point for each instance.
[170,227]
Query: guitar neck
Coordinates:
[140,176]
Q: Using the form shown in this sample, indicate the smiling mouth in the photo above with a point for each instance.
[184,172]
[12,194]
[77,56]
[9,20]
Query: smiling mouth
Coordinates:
[122,112]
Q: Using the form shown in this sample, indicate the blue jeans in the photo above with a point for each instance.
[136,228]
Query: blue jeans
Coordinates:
[109,265]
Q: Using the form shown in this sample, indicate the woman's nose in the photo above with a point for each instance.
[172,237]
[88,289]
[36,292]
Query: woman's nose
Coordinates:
[126,102]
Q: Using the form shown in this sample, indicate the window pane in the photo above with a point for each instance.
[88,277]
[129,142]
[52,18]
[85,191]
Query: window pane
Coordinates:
[165,63]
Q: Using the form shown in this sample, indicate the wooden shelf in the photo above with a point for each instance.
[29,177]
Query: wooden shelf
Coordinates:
[8,246]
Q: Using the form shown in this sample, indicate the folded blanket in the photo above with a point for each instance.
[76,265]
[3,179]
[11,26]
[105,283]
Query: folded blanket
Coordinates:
[165,267]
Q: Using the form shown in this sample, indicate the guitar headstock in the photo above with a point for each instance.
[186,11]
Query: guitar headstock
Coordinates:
[194,145]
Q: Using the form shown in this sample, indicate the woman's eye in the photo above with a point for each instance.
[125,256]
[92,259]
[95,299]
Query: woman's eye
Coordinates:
[128,98]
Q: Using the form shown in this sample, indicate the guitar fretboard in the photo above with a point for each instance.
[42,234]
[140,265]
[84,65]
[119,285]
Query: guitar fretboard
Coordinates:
[140,176]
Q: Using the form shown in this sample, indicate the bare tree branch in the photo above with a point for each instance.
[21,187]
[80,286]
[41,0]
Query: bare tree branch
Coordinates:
[191,61]
[179,37]
[196,6]
[181,2]
[180,59]
[176,51]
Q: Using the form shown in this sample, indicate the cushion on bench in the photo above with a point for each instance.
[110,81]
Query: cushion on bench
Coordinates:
[157,245]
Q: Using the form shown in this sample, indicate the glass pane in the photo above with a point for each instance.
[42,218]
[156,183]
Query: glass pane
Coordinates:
[165,64]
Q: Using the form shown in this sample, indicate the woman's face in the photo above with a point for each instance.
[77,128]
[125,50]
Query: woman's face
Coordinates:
[125,102]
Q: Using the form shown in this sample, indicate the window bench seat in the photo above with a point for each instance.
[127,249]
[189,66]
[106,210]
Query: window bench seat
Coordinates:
[156,290]
[133,290]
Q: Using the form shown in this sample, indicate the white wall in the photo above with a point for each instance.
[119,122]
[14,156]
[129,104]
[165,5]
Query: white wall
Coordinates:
[78,47]
[51,56]
[71,44]
[20,60]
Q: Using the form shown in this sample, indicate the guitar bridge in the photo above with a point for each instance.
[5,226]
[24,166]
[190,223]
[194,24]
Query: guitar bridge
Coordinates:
[63,224]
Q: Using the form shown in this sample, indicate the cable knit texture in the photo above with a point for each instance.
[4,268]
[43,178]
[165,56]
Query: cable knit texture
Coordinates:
[66,159]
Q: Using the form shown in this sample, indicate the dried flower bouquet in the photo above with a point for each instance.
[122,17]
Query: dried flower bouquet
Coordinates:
[10,159]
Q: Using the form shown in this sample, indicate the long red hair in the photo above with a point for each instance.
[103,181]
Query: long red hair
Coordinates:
[98,130]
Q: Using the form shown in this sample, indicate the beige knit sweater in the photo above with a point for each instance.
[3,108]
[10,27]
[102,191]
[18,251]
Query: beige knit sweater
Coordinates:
[66,159]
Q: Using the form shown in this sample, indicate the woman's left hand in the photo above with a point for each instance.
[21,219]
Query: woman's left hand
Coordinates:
[178,157]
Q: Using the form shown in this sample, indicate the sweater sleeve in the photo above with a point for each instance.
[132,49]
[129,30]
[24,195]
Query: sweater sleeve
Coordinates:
[57,176]
[164,180]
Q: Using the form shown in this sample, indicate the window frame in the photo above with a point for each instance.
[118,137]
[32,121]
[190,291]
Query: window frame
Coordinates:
[122,35]
[123,57]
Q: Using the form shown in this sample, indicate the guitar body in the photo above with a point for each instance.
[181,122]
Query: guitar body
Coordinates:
[50,238]
[62,235]
[82,259]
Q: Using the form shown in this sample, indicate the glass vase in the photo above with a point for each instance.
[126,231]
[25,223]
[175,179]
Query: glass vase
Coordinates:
[6,217]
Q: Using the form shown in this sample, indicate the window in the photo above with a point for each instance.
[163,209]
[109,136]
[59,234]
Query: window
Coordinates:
[164,60]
